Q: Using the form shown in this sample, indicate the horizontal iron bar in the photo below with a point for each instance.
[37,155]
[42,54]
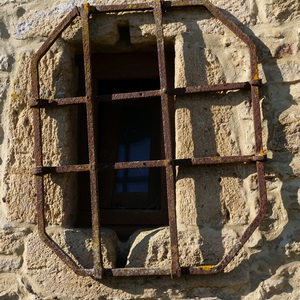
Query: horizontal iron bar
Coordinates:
[151,164]
[136,272]
[212,88]
[142,94]
[158,272]
[218,160]
[132,95]
[188,161]
[136,164]
[200,270]
[56,101]
[145,6]
[40,170]
[122,7]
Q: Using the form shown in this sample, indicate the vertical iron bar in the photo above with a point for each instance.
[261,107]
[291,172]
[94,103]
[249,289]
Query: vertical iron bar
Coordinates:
[90,108]
[256,116]
[38,155]
[167,132]
[255,97]
[35,93]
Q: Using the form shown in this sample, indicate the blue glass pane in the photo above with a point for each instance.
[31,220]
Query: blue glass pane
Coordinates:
[133,180]
[135,145]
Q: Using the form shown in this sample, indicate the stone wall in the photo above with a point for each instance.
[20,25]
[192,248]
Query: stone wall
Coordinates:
[214,205]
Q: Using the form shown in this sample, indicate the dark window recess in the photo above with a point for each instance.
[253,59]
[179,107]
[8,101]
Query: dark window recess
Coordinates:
[127,131]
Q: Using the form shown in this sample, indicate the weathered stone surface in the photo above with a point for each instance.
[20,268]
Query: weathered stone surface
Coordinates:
[290,120]
[3,62]
[210,196]
[281,41]
[9,263]
[285,69]
[3,85]
[20,159]
[8,286]
[295,92]
[283,285]
[278,11]
[18,207]
[197,246]
[76,243]
[11,241]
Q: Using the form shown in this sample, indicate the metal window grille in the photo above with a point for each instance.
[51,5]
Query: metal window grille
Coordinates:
[166,95]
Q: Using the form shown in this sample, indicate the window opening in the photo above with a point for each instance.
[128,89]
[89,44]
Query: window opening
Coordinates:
[167,162]
[135,134]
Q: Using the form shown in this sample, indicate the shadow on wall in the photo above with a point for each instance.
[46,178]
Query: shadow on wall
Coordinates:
[206,209]
[210,208]
[278,99]
[204,206]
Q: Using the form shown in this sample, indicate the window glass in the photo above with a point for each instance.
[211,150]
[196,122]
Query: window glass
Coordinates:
[135,145]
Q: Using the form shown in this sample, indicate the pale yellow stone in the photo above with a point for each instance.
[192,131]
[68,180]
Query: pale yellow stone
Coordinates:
[214,205]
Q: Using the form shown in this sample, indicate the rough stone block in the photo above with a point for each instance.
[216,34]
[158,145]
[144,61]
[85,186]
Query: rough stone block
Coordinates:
[295,92]
[285,70]
[9,263]
[8,286]
[75,242]
[278,11]
[151,249]
[3,62]
[11,241]
[290,120]
[21,198]
[281,41]
[215,195]
[3,85]
[243,11]
[282,285]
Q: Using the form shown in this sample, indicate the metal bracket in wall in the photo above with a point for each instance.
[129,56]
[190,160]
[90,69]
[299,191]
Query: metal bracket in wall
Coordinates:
[169,163]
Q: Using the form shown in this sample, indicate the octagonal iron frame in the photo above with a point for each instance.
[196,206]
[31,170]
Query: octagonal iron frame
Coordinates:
[158,8]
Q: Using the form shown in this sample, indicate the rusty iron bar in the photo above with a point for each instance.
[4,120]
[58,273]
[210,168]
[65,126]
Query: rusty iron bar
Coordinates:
[55,102]
[126,96]
[40,170]
[60,169]
[91,130]
[125,272]
[185,162]
[141,94]
[255,82]
[123,7]
[168,163]
[148,6]
[257,119]
[38,155]
[212,88]
[217,160]
[167,134]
